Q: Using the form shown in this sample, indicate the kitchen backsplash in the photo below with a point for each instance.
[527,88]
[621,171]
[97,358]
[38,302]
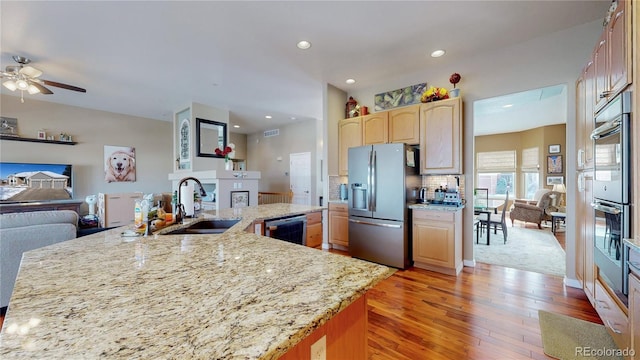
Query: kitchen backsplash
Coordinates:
[431,182]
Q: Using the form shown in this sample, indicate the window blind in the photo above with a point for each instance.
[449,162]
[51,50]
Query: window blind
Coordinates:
[530,159]
[496,161]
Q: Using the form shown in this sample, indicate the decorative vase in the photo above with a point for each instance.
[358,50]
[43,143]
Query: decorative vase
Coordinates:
[228,165]
[454,93]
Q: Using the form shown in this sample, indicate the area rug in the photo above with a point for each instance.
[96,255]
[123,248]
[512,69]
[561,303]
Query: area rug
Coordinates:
[526,249]
[564,337]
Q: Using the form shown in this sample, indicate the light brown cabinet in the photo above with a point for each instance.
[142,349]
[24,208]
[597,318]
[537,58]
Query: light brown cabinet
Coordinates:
[314,229]
[375,128]
[117,209]
[613,55]
[585,268]
[437,240]
[349,135]
[584,117]
[404,125]
[441,137]
[339,225]
[613,317]
[634,314]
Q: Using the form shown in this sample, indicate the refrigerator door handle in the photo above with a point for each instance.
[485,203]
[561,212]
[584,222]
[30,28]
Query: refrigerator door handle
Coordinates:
[375,224]
[369,181]
[373,181]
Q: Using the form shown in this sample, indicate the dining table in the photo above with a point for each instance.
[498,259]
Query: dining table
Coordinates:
[483,215]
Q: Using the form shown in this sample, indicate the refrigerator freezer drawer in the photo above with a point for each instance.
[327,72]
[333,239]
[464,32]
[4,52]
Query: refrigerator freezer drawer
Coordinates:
[383,242]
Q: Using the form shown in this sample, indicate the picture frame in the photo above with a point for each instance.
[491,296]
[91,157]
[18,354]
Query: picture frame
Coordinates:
[554,149]
[42,135]
[554,164]
[554,180]
[239,199]
[408,95]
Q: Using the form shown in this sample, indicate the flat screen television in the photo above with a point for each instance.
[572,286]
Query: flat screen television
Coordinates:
[29,182]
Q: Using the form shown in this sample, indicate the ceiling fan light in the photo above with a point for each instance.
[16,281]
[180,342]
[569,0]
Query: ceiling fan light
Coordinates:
[33,90]
[22,84]
[10,84]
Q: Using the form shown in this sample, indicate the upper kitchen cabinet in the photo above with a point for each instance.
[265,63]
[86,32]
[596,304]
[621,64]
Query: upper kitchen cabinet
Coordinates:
[349,135]
[612,57]
[584,116]
[441,137]
[404,125]
[375,128]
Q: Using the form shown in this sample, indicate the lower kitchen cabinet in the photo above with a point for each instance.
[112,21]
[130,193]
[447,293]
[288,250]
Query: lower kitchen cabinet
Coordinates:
[437,240]
[339,225]
[613,317]
[314,229]
[634,314]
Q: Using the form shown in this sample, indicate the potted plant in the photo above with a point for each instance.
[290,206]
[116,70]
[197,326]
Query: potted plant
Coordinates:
[454,79]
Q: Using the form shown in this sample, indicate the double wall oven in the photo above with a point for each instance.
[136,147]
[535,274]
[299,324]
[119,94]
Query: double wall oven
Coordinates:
[612,193]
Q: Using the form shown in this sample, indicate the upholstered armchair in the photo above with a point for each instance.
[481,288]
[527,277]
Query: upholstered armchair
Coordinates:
[534,213]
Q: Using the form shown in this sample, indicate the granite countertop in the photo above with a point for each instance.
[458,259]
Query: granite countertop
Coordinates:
[437,207]
[233,295]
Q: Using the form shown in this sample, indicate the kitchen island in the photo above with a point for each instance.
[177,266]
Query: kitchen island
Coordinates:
[237,295]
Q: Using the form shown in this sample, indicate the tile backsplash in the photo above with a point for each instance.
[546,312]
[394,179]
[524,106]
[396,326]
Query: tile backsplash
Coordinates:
[431,182]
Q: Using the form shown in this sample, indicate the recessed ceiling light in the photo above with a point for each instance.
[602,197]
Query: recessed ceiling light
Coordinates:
[236,126]
[304,45]
[437,53]
[293,118]
[268,116]
[507,106]
[350,81]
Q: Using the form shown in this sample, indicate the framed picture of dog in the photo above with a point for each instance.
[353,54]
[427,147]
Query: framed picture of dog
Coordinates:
[119,164]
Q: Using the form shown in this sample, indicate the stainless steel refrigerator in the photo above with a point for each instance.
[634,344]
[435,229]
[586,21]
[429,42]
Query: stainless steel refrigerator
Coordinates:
[382,181]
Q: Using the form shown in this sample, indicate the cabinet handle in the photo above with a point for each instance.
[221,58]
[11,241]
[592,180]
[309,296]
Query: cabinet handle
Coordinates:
[619,14]
[603,302]
[612,328]
[602,42]
[604,94]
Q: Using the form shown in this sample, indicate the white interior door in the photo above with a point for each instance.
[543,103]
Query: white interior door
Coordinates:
[300,177]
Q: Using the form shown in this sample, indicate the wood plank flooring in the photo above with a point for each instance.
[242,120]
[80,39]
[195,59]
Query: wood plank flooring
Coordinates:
[487,312]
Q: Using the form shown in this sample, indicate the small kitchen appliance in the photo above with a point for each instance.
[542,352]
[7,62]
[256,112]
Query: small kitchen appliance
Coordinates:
[343,191]
[422,196]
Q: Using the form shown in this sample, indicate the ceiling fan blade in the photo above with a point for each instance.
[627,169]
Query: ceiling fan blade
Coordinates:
[64,86]
[30,71]
[43,90]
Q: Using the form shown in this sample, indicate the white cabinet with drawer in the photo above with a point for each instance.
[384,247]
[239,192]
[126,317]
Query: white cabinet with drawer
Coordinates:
[117,209]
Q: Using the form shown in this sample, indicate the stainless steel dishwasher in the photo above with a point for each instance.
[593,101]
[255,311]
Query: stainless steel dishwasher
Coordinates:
[292,229]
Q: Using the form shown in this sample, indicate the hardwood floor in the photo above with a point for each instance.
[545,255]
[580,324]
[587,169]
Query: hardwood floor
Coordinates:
[487,312]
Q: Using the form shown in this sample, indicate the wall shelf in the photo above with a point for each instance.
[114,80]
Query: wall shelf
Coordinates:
[17,138]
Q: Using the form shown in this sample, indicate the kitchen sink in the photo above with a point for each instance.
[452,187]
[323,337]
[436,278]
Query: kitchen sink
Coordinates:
[214,226]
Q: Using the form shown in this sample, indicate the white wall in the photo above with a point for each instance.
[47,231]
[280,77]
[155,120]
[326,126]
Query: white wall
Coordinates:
[263,153]
[92,129]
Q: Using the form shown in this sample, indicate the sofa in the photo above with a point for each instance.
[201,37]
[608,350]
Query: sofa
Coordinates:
[20,232]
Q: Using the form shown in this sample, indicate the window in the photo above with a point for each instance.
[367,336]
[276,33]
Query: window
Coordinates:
[530,171]
[496,171]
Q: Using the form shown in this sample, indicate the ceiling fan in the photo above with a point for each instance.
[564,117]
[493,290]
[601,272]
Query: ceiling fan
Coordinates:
[26,78]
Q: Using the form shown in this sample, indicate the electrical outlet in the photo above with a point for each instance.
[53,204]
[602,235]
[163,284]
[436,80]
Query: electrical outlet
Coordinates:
[319,349]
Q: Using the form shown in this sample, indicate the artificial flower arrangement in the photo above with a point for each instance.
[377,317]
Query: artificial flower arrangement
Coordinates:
[454,79]
[434,93]
[227,150]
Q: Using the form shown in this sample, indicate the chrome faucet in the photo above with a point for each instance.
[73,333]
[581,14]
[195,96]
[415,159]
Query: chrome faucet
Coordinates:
[180,212]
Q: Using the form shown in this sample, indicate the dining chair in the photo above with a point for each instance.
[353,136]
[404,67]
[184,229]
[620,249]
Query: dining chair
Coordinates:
[497,221]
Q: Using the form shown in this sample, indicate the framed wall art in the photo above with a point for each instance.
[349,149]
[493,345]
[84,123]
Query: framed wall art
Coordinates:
[554,149]
[239,199]
[555,180]
[554,164]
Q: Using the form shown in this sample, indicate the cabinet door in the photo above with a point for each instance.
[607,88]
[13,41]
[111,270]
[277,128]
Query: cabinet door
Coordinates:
[619,54]
[404,125]
[433,243]
[580,120]
[441,137]
[600,71]
[588,236]
[589,122]
[339,228]
[349,135]
[634,314]
[375,128]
